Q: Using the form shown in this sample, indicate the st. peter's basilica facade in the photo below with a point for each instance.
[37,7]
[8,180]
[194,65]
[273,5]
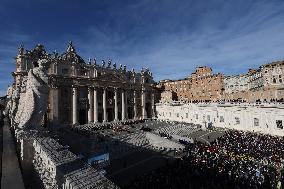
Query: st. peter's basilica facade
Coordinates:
[81,92]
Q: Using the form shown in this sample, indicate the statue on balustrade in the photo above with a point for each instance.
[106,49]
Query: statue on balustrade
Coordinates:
[32,104]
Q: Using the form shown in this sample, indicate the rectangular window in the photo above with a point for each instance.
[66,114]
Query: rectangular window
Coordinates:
[256,121]
[221,119]
[237,119]
[279,124]
[177,114]
[186,115]
[196,116]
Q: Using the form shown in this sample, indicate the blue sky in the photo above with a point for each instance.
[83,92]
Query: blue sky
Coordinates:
[170,37]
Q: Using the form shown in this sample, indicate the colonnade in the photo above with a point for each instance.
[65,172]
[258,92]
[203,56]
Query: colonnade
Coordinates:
[93,104]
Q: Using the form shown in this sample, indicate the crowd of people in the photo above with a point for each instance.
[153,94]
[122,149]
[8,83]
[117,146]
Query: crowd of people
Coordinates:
[165,135]
[115,126]
[236,160]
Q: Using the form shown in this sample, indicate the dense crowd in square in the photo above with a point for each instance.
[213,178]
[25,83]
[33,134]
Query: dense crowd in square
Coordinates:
[236,160]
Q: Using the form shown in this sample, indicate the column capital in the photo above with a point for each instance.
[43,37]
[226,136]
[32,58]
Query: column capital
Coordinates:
[54,86]
[74,90]
[95,87]
[115,89]
[90,88]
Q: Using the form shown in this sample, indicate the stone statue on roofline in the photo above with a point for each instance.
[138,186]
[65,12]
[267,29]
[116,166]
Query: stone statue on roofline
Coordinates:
[103,63]
[109,63]
[21,50]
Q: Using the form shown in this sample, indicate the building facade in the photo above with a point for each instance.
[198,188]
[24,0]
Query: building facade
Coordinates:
[205,86]
[236,88]
[81,92]
[168,96]
[179,88]
[273,84]
[264,84]
[201,86]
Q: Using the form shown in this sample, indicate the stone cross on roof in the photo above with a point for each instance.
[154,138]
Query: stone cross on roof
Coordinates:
[70,47]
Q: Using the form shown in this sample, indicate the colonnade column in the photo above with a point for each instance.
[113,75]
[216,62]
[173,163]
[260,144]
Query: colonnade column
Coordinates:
[122,105]
[153,105]
[115,105]
[91,103]
[126,105]
[144,116]
[104,105]
[95,106]
[55,105]
[134,104]
[74,106]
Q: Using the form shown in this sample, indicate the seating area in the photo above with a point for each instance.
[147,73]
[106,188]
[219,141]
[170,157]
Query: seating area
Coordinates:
[122,138]
[181,129]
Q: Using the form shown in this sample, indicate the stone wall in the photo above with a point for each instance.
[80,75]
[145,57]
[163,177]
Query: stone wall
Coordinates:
[265,118]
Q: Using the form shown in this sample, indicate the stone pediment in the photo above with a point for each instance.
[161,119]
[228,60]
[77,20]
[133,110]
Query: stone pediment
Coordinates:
[112,78]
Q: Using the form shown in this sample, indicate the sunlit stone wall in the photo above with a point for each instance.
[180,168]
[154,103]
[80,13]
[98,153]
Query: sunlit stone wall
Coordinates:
[263,118]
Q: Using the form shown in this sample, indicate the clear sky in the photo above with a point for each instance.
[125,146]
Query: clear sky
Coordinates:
[171,37]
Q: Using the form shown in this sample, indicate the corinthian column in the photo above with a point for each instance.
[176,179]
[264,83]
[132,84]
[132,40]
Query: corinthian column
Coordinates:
[153,105]
[122,105]
[74,105]
[144,116]
[95,106]
[54,102]
[104,105]
[91,110]
[115,105]
[135,104]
